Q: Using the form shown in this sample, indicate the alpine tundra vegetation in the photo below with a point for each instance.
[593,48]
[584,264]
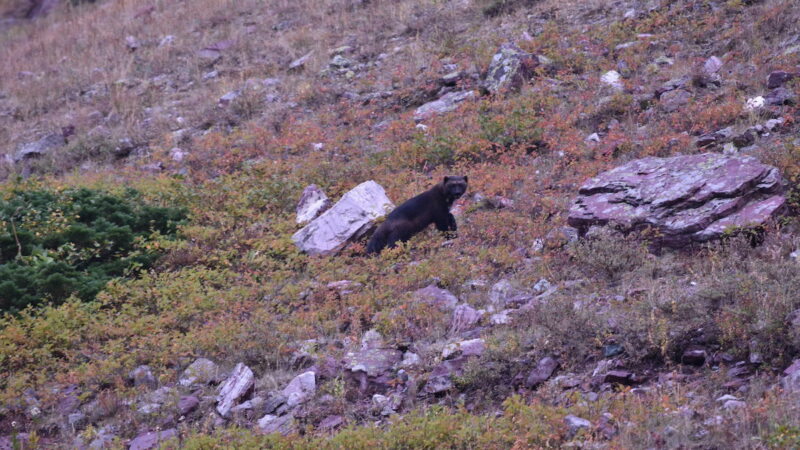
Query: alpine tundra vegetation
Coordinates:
[188,190]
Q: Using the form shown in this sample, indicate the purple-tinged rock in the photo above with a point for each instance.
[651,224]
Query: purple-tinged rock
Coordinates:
[779,78]
[464,318]
[152,439]
[543,371]
[435,296]
[687,199]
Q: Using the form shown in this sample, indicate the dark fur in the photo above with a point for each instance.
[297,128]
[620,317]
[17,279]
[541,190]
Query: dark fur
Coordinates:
[413,216]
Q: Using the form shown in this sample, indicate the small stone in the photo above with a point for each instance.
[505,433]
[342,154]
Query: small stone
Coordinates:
[594,137]
[543,371]
[464,318]
[202,371]
[188,404]
[330,423]
[611,350]
[410,360]
[575,424]
[755,103]
[435,296]
[142,376]
[153,439]
[613,79]
[300,62]
[712,65]
[300,389]
[779,78]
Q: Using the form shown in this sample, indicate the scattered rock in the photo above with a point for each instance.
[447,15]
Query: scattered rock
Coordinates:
[143,376]
[274,424]
[238,384]
[300,389]
[509,69]
[349,219]
[202,371]
[410,360]
[312,202]
[687,199]
[779,97]
[39,148]
[440,379]
[340,62]
[712,66]
[576,424]
[372,370]
[153,439]
[543,371]
[779,78]
[445,104]
[674,100]
[435,296]
[472,347]
[330,423]
[464,318]
[188,404]
[755,103]
[613,79]
[300,62]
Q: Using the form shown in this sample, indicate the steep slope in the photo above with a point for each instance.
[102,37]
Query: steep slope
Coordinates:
[515,334]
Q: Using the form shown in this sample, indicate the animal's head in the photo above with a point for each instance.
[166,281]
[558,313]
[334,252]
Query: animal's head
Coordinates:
[454,187]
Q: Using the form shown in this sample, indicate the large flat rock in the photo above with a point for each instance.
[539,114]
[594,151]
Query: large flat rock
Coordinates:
[348,220]
[686,199]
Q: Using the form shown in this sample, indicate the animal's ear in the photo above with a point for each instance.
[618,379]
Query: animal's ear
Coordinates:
[465,178]
[446,179]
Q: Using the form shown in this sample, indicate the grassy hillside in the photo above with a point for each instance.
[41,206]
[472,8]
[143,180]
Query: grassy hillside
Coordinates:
[137,91]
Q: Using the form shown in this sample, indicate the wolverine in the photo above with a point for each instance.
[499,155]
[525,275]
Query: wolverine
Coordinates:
[413,216]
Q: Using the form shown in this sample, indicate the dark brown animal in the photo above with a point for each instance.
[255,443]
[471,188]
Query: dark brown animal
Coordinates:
[413,216]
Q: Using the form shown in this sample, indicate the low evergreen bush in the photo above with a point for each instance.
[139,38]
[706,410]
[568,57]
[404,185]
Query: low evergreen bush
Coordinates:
[54,244]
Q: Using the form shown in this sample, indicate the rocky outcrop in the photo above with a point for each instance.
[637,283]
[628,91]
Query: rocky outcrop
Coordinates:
[349,219]
[684,199]
[509,69]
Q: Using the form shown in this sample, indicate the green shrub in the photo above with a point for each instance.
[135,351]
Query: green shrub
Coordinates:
[54,244]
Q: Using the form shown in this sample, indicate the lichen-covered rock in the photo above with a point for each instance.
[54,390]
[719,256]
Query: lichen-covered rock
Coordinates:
[685,199]
[312,202]
[201,371]
[445,104]
[349,219]
[509,69]
[239,383]
[372,369]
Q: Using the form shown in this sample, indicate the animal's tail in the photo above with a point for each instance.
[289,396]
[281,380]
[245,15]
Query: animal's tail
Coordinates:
[377,242]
